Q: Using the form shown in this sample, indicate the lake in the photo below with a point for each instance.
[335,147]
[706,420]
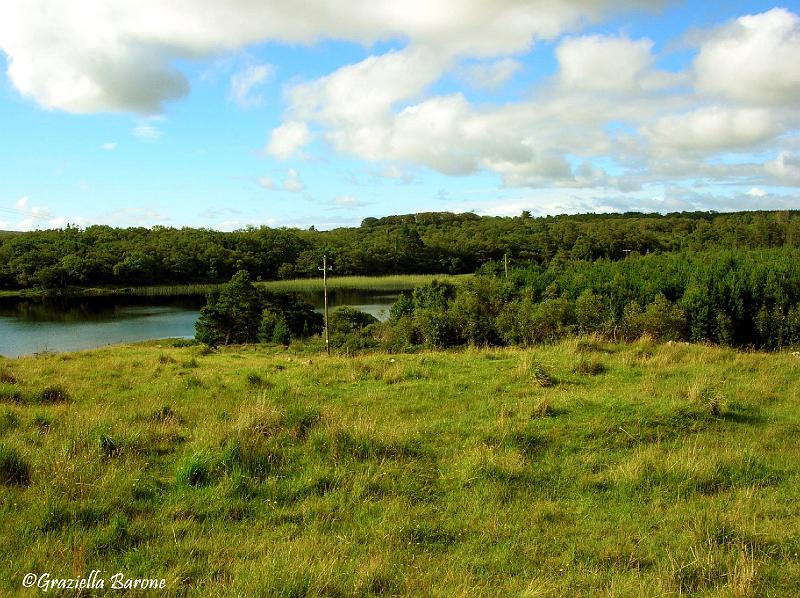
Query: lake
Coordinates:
[31,326]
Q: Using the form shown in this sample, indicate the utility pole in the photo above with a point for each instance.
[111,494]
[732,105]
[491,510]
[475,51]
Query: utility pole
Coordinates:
[325,268]
[505,263]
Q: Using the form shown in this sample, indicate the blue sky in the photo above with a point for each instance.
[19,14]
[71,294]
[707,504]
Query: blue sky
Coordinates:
[224,115]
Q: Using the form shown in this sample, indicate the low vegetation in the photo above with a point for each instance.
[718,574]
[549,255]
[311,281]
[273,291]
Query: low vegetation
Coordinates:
[584,467]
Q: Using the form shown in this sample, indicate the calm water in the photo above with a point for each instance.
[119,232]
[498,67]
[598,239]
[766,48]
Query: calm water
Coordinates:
[31,326]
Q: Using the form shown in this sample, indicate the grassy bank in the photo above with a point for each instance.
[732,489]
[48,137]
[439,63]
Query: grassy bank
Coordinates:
[584,468]
[399,282]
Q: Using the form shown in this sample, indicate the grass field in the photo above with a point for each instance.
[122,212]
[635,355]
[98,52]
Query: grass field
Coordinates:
[580,469]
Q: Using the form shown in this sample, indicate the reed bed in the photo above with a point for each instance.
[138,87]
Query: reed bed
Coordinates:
[396,282]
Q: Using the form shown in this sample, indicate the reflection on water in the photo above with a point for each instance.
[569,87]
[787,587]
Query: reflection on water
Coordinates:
[31,326]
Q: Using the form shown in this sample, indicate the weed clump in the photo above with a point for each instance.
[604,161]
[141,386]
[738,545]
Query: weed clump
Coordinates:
[707,399]
[163,358]
[109,447]
[590,367]
[10,395]
[165,414]
[198,470]
[543,408]
[52,395]
[257,380]
[7,377]
[42,423]
[8,421]
[531,370]
[14,470]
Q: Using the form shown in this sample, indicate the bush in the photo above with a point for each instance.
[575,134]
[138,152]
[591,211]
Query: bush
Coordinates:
[344,320]
[664,321]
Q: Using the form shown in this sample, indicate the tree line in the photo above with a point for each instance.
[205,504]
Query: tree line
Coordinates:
[432,242]
[741,298]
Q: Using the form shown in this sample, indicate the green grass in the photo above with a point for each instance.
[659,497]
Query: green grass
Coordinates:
[579,469]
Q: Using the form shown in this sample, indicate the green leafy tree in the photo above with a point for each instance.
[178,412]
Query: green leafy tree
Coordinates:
[231,315]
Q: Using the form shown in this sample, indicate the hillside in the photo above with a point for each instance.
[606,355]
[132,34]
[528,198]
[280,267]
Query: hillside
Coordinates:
[582,468]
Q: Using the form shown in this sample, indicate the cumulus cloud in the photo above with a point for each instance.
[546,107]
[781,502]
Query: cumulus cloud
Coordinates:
[244,82]
[288,139]
[754,59]
[608,118]
[716,128]
[603,63]
[119,55]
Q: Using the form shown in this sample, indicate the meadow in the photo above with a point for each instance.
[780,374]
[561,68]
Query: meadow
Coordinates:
[582,468]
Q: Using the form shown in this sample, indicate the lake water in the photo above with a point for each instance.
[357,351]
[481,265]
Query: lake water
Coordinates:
[32,326]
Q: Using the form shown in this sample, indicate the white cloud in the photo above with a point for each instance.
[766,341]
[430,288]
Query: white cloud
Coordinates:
[109,146]
[716,128]
[293,183]
[367,91]
[489,75]
[287,139]
[753,59]
[37,217]
[603,63]
[244,82]
[120,55]
[757,192]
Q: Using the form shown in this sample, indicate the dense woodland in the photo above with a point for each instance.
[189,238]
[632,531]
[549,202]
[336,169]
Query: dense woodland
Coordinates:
[744,298]
[433,242]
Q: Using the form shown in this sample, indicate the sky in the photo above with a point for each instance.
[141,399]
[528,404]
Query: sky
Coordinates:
[231,114]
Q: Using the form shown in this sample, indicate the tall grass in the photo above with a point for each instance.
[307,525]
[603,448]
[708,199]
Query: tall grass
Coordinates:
[399,282]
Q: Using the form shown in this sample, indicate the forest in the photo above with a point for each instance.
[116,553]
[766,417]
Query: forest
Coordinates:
[425,243]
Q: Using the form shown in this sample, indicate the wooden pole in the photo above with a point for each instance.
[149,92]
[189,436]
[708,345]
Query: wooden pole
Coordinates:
[325,288]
